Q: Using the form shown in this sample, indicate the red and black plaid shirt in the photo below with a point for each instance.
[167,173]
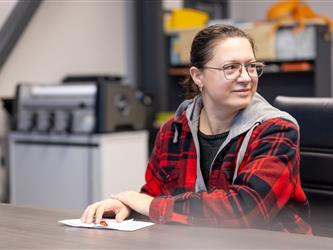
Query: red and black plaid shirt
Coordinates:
[266,194]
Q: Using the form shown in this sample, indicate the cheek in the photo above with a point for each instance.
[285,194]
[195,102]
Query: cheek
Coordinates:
[220,87]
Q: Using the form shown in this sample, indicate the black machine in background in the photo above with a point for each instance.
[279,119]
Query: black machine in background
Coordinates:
[81,104]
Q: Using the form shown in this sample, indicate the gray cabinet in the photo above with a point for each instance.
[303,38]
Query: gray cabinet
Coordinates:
[70,172]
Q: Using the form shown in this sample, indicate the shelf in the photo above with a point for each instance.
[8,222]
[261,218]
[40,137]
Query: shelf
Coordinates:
[285,67]
[268,72]
[308,60]
[179,71]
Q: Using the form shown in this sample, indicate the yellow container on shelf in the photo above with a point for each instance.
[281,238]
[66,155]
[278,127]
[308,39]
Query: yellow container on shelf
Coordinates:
[186,18]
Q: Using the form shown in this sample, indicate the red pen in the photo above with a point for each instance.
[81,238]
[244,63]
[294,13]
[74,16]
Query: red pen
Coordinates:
[103,223]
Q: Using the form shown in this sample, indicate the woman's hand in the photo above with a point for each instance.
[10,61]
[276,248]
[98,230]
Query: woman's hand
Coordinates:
[135,200]
[95,212]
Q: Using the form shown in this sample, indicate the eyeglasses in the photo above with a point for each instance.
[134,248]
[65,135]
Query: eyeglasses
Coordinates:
[233,70]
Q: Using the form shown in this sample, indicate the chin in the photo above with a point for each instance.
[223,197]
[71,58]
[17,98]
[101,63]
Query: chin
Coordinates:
[240,103]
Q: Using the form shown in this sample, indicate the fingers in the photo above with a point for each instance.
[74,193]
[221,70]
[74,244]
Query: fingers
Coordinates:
[122,214]
[84,215]
[99,214]
[94,213]
[89,213]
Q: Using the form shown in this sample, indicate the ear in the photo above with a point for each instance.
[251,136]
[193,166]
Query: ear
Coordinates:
[196,75]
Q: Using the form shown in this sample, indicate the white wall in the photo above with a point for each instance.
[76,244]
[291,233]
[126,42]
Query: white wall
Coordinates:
[172,4]
[68,37]
[5,8]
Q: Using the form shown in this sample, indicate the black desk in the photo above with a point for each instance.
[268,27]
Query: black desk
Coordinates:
[38,229]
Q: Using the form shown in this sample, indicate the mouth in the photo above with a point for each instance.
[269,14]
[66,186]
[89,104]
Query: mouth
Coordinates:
[242,90]
[242,93]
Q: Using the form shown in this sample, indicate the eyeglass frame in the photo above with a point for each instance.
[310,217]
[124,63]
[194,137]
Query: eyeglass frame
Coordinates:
[241,70]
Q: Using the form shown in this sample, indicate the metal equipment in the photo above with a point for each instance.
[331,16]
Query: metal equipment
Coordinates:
[80,108]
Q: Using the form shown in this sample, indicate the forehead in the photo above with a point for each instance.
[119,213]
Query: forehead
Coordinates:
[233,49]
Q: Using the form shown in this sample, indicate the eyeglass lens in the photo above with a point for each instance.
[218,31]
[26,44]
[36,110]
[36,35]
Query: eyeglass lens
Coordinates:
[233,71]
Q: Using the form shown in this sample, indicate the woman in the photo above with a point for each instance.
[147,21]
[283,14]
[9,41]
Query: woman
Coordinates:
[227,157]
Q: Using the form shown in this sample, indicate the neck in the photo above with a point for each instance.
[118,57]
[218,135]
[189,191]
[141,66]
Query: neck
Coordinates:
[212,123]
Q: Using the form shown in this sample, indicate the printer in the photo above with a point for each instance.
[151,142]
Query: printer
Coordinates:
[80,107]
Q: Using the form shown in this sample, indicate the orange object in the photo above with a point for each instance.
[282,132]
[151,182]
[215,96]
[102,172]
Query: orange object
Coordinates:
[103,223]
[301,66]
[295,11]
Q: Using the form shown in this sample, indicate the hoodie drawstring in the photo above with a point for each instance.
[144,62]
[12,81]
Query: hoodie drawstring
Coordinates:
[177,127]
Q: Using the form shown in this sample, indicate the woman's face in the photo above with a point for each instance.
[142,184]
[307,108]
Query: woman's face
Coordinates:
[219,92]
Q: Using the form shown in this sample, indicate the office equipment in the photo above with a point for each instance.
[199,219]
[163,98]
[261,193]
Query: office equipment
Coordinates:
[315,117]
[72,171]
[61,154]
[39,229]
[80,107]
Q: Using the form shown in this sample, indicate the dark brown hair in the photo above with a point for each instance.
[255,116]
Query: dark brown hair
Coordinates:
[202,50]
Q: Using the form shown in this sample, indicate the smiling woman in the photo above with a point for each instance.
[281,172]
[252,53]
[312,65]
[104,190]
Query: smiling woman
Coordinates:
[227,157]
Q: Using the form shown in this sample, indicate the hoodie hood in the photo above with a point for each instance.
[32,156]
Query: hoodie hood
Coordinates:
[258,111]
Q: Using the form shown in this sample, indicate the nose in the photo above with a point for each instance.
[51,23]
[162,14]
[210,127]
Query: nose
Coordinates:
[244,75]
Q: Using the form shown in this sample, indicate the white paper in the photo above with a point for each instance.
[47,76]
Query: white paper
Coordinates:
[126,225]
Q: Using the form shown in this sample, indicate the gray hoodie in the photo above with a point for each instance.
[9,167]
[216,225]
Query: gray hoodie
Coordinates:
[245,121]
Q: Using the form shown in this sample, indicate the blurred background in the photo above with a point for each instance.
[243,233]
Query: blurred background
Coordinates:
[86,84]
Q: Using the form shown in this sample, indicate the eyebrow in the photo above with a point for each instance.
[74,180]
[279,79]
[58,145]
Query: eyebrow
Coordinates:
[236,61]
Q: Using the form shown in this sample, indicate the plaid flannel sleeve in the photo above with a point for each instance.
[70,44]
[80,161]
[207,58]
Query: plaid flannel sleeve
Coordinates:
[155,186]
[266,180]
